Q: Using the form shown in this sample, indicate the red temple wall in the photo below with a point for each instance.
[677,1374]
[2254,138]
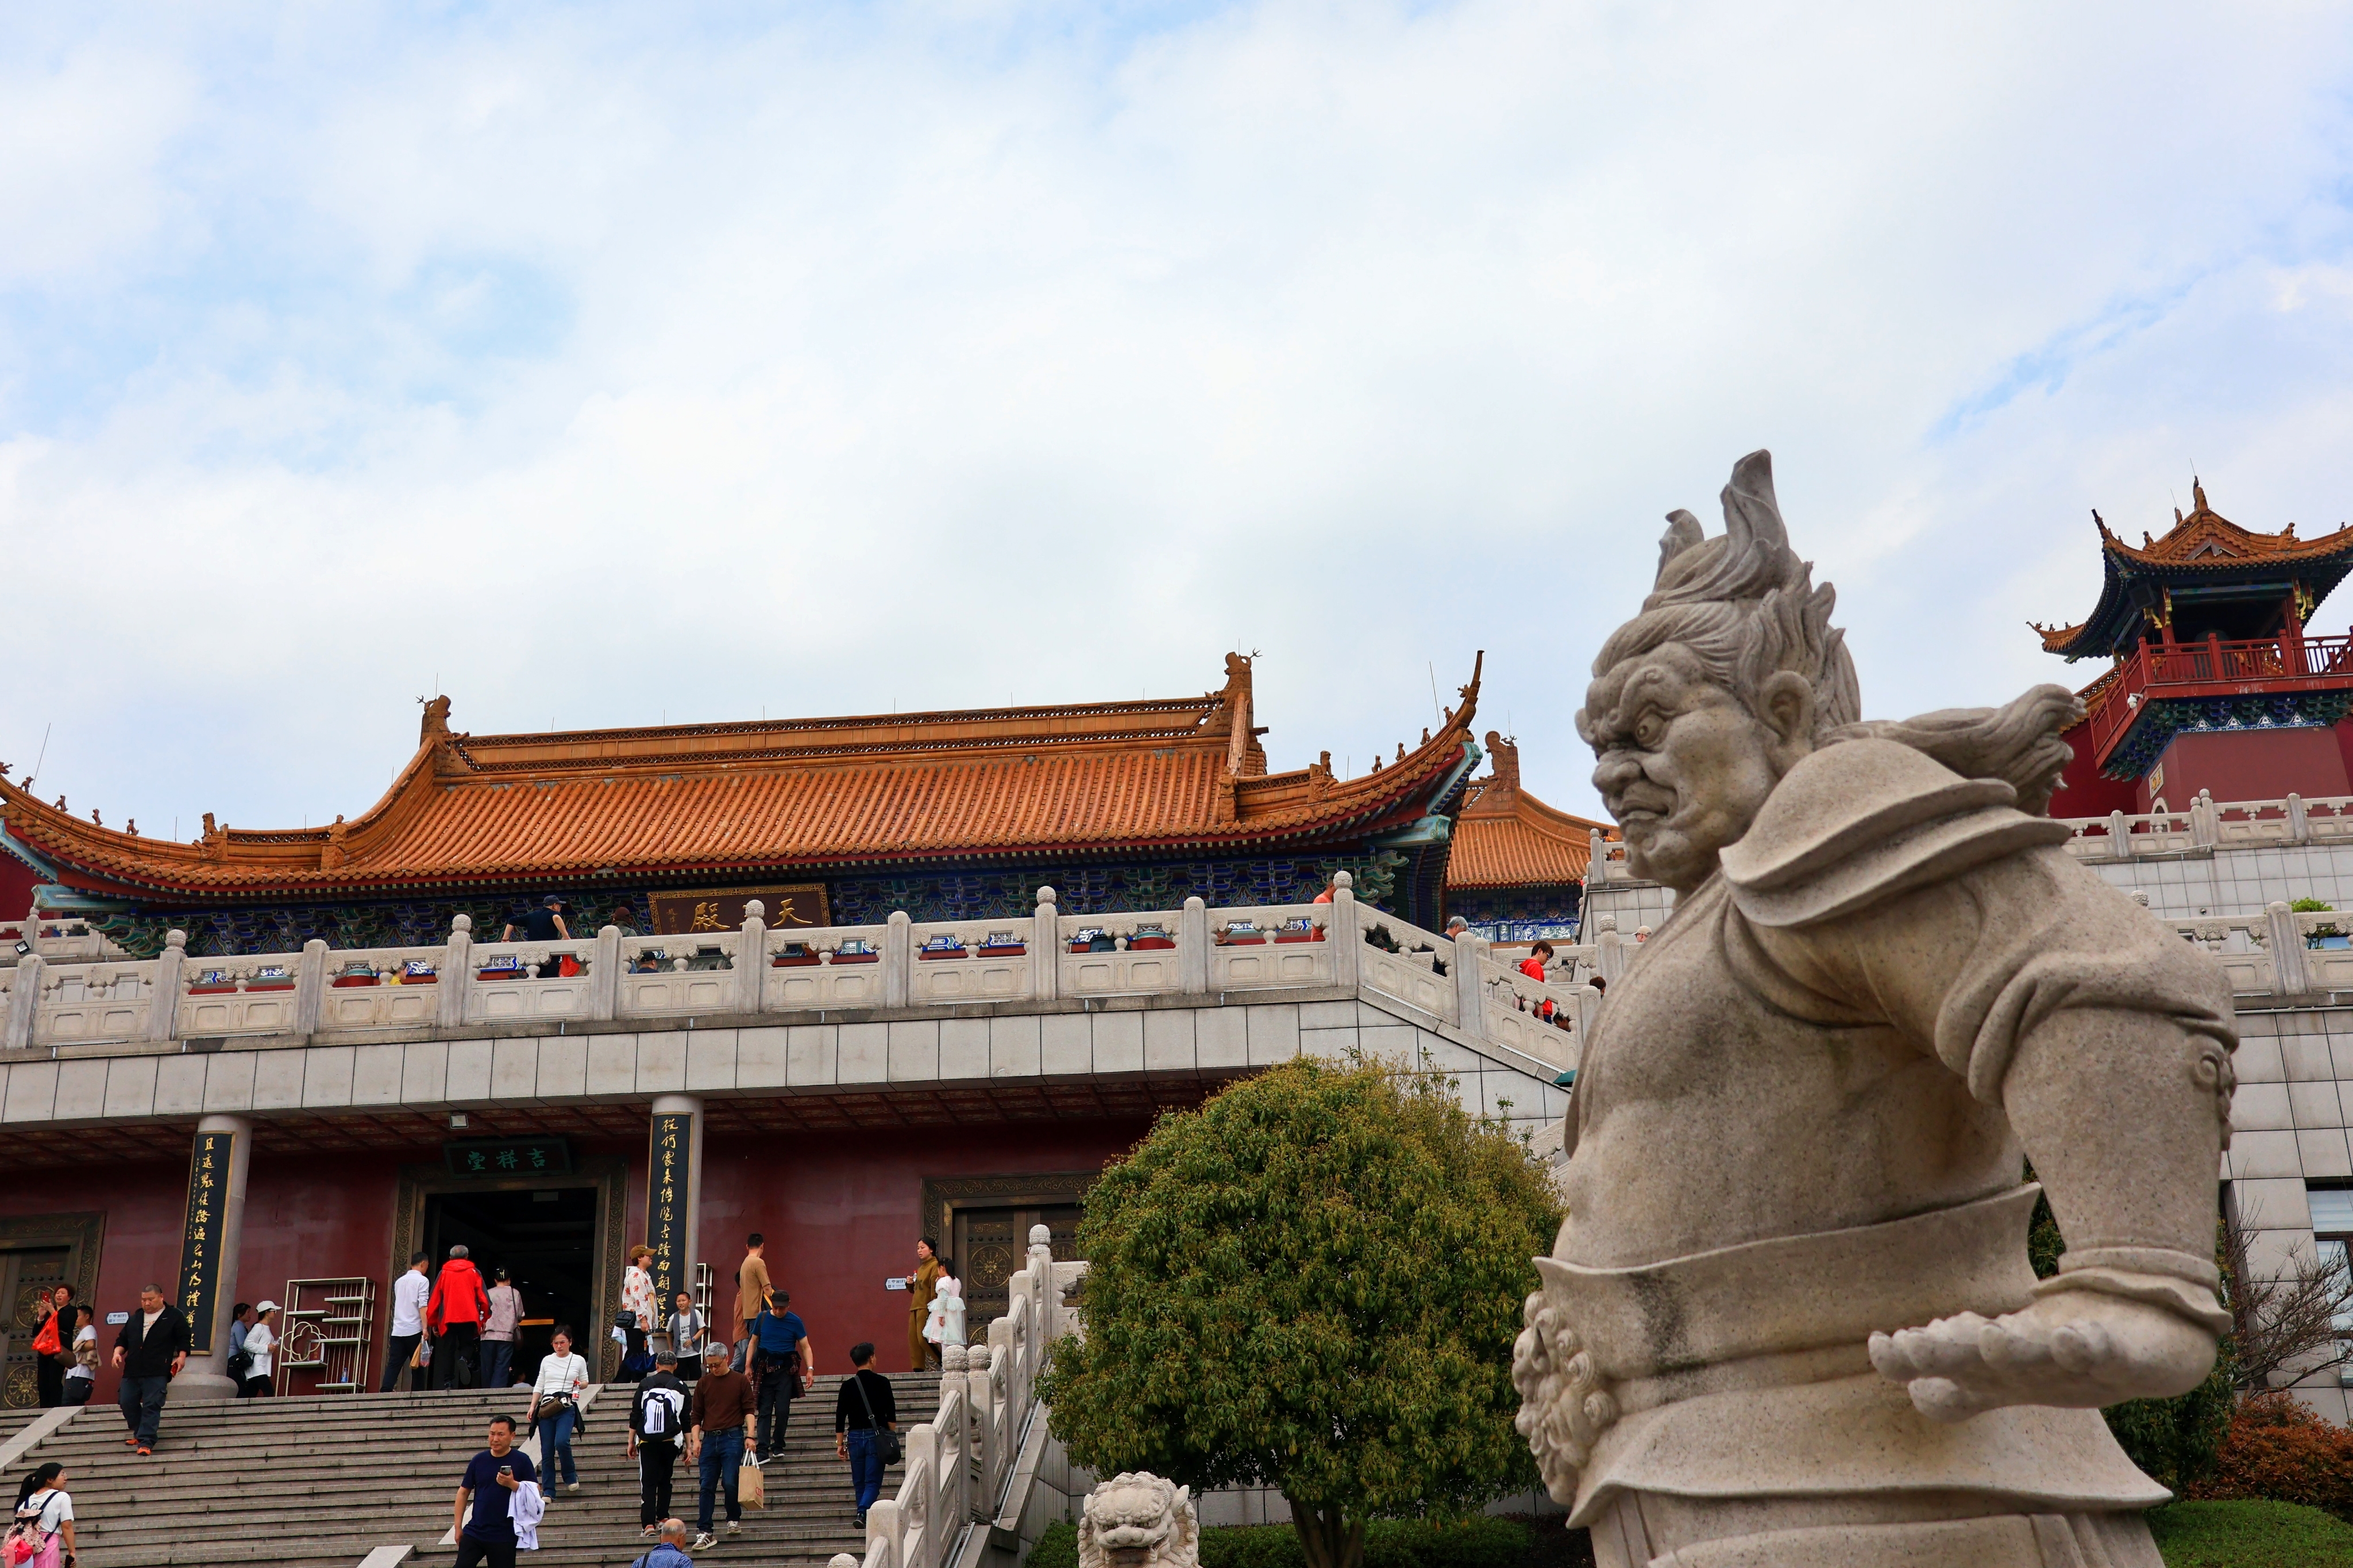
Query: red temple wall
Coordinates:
[16,884]
[841,1211]
[2247,764]
[142,1204]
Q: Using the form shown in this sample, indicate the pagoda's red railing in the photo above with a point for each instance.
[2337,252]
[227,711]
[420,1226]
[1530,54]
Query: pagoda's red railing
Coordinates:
[2216,669]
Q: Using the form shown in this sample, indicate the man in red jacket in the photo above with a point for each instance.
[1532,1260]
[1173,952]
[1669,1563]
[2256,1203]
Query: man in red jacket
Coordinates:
[454,1315]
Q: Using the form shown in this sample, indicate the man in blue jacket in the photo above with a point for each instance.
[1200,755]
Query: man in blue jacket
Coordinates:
[785,1359]
[671,1552]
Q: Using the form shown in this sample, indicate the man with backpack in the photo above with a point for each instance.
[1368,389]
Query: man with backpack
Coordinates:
[656,1424]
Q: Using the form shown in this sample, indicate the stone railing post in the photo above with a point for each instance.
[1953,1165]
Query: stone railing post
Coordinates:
[1589,1008]
[2299,825]
[2288,975]
[1469,969]
[924,1469]
[1046,949]
[1347,937]
[1193,948]
[1612,950]
[171,972]
[457,976]
[882,1525]
[898,959]
[2119,840]
[605,974]
[1597,862]
[311,988]
[2205,822]
[751,956]
[24,1003]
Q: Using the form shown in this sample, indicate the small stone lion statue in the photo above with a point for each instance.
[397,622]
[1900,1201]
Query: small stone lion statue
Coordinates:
[1135,1520]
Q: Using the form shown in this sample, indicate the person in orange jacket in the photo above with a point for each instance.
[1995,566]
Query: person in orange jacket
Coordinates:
[1532,966]
[454,1315]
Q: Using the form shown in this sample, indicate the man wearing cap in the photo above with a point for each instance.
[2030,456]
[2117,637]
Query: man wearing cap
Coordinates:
[541,924]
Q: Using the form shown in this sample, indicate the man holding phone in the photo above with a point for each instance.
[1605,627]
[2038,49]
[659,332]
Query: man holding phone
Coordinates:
[490,1481]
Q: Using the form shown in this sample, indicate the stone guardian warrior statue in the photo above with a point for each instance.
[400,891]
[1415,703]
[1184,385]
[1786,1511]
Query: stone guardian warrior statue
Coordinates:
[1790,1320]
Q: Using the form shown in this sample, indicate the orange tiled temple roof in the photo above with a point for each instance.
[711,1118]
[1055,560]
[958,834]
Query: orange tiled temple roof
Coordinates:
[1506,837]
[2203,544]
[748,797]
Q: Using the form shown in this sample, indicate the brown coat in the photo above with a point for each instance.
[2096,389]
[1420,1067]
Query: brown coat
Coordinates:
[919,1292]
[751,1288]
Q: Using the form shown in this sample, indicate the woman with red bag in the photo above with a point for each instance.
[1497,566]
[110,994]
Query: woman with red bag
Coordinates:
[53,1344]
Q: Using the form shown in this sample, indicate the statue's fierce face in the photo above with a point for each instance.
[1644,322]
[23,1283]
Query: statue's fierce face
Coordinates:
[1685,764]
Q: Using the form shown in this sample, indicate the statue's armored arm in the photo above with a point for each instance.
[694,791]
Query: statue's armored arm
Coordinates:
[2104,1040]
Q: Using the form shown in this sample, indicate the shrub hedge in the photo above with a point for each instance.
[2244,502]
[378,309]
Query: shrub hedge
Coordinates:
[2278,1448]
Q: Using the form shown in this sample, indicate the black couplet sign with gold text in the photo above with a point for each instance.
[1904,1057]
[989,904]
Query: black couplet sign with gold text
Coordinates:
[200,1237]
[686,914]
[666,1176]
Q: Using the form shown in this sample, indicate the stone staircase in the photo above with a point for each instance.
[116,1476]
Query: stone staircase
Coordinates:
[314,1482]
[810,1514]
[320,1482]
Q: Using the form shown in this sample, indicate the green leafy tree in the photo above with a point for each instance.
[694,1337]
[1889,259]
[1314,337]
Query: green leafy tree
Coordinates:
[1311,1283]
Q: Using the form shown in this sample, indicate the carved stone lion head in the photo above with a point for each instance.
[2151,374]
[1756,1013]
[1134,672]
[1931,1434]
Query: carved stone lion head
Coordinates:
[1135,1520]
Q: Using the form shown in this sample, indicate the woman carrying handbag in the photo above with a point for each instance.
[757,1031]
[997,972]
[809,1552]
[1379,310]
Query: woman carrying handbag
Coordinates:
[555,1405]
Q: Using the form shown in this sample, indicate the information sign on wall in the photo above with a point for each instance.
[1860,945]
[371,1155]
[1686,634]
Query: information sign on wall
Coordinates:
[200,1235]
[686,914]
[508,1156]
[667,1168]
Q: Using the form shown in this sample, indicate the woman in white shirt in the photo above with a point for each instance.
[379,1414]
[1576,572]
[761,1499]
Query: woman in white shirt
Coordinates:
[81,1376]
[42,1503]
[563,1379]
[261,1342]
[638,1300]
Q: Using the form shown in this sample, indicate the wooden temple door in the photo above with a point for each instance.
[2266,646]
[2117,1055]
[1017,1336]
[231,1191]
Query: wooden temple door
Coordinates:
[24,1275]
[989,1246]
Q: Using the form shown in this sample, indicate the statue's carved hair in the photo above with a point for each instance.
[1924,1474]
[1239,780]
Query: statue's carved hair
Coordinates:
[1747,607]
[2018,743]
[1743,604]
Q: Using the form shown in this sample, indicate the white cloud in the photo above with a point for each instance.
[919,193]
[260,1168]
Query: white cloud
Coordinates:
[613,366]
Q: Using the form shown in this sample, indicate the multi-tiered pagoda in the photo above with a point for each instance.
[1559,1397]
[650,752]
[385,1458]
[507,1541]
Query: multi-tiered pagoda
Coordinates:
[2213,684]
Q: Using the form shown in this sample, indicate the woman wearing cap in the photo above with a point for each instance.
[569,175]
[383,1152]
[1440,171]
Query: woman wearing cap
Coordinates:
[261,1343]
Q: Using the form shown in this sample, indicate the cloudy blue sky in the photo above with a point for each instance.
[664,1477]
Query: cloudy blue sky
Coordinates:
[612,364]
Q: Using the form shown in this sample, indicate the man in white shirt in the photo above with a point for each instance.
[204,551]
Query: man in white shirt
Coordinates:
[409,1294]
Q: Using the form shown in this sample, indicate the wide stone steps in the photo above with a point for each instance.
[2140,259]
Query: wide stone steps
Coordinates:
[810,1514]
[311,1483]
[319,1482]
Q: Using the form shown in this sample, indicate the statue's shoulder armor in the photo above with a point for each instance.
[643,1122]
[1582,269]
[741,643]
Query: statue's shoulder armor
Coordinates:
[1861,821]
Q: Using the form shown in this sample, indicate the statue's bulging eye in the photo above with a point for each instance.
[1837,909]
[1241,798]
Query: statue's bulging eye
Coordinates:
[1649,730]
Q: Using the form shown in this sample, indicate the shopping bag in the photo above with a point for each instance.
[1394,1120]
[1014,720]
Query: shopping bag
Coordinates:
[751,1487]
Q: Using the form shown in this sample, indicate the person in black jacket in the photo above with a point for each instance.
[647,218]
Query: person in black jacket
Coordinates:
[150,1352]
[657,1422]
[864,1409]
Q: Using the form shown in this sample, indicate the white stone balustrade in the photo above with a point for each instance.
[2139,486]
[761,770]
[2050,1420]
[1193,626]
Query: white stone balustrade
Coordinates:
[354,995]
[960,1463]
[2210,824]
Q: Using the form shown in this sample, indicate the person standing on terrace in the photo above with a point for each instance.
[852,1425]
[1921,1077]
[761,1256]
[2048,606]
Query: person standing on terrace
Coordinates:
[544,923]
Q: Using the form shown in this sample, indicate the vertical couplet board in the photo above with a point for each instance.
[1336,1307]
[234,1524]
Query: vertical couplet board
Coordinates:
[200,1236]
[667,1167]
